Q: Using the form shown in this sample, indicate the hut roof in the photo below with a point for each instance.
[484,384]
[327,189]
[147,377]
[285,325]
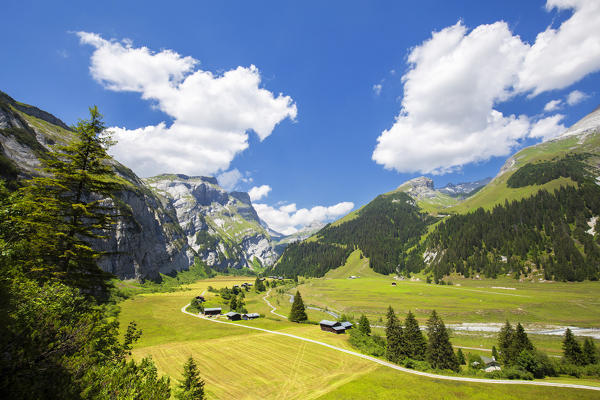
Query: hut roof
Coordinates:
[329,323]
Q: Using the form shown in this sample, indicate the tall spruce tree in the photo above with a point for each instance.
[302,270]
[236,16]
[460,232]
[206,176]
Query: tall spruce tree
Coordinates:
[414,341]
[364,326]
[439,351]
[60,213]
[395,338]
[590,352]
[520,341]
[571,349]
[298,312]
[191,386]
[505,339]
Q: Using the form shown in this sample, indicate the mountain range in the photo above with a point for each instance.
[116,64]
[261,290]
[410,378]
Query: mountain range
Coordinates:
[170,221]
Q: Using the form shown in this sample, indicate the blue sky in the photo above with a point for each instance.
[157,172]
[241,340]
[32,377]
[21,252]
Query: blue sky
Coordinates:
[468,95]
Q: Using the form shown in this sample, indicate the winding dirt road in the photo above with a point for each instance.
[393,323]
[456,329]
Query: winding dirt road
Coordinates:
[390,365]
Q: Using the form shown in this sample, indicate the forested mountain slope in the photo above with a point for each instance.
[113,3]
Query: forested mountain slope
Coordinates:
[385,230]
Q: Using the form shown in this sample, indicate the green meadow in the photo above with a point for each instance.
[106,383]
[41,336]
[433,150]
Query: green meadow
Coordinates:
[246,364]
[466,300]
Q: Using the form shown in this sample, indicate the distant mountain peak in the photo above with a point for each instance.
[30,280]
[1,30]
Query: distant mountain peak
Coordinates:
[464,188]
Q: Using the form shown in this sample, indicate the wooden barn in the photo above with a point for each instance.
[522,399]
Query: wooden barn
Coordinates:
[347,325]
[233,316]
[250,316]
[332,326]
[212,311]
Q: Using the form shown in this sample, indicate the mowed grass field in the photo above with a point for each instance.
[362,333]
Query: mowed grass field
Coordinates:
[239,363]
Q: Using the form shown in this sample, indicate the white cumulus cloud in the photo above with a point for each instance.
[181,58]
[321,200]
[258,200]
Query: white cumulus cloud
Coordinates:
[211,114]
[288,219]
[548,128]
[553,105]
[258,192]
[576,97]
[449,115]
[561,57]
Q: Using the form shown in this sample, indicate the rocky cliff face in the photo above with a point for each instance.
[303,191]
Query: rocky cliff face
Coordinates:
[222,228]
[147,239]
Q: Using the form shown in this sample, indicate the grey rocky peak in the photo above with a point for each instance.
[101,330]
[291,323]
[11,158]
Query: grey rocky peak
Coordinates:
[221,228]
[419,188]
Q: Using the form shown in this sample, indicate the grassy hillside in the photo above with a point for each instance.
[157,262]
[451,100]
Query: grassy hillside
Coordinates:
[356,265]
[497,191]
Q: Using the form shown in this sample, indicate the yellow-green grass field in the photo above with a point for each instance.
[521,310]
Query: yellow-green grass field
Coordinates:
[384,384]
[239,363]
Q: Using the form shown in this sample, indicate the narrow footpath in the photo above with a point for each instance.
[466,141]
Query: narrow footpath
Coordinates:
[390,365]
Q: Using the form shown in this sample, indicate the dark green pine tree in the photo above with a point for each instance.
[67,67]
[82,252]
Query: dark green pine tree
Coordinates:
[298,312]
[364,326]
[590,353]
[461,357]
[505,339]
[191,386]
[520,341]
[233,305]
[395,337]
[439,351]
[61,212]
[571,349]
[415,343]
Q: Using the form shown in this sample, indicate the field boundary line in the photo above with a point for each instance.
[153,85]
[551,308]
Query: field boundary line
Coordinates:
[397,367]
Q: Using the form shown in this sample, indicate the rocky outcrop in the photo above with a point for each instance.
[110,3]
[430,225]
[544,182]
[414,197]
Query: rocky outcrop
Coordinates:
[147,239]
[419,188]
[222,228]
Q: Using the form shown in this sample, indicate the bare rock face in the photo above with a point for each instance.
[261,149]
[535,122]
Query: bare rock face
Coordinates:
[222,228]
[419,188]
[147,239]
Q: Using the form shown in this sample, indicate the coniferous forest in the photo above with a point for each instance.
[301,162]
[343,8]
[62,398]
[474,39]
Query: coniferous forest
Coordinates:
[547,230]
[384,230]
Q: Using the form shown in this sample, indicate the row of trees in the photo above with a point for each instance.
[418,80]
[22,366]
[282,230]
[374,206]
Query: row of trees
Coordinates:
[58,332]
[577,354]
[409,342]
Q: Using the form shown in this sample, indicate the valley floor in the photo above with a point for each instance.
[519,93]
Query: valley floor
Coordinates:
[242,363]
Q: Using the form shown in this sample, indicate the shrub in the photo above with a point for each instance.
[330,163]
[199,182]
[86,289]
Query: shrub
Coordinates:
[516,373]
